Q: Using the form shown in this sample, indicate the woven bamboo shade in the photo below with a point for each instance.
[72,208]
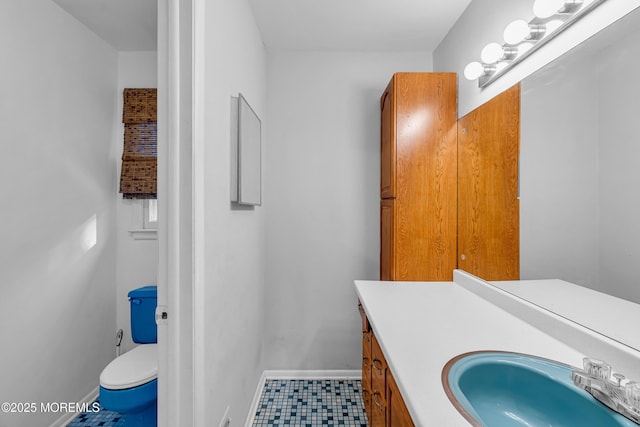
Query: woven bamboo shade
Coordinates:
[140,105]
[140,141]
[138,178]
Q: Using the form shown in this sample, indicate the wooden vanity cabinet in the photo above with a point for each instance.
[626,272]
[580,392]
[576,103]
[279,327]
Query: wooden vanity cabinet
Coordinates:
[366,372]
[397,412]
[383,403]
[418,177]
[378,385]
[366,362]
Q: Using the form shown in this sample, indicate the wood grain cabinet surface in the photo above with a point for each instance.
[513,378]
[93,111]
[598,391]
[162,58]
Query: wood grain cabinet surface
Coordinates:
[448,187]
[397,412]
[387,241]
[418,174]
[488,199]
[382,400]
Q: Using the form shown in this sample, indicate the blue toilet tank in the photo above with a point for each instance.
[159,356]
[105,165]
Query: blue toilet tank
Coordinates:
[143,303]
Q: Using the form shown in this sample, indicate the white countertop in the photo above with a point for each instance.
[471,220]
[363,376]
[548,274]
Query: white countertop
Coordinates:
[422,325]
[611,316]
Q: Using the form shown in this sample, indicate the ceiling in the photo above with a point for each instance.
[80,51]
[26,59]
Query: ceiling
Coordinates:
[124,24]
[356,25]
[345,25]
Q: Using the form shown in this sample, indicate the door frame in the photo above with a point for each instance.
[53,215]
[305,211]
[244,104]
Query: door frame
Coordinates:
[180,277]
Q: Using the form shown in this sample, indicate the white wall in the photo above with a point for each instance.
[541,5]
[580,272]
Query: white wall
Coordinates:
[483,22]
[322,197]
[57,235]
[231,309]
[137,260]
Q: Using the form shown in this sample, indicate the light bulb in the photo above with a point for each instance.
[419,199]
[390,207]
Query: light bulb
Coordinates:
[473,70]
[516,31]
[552,26]
[547,8]
[491,53]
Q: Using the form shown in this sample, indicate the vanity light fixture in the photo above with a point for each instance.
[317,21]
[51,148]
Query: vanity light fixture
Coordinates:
[522,38]
[552,25]
[491,53]
[520,30]
[524,48]
[474,70]
[547,8]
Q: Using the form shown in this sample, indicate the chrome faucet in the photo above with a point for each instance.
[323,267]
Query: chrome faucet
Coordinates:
[619,394]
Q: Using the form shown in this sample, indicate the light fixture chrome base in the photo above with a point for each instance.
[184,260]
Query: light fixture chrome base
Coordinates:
[492,73]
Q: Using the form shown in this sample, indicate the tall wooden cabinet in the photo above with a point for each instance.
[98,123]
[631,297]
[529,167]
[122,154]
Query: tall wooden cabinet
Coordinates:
[418,177]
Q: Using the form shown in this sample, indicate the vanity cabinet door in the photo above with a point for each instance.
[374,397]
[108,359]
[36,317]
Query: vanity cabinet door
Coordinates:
[366,401]
[397,413]
[379,411]
[378,385]
[383,403]
[366,373]
[366,362]
[378,370]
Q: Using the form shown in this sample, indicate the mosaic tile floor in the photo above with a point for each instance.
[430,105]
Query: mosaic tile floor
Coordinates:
[296,403]
[102,418]
[310,403]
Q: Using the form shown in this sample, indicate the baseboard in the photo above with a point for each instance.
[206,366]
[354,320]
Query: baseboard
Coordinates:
[256,400]
[66,419]
[296,375]
[314,375]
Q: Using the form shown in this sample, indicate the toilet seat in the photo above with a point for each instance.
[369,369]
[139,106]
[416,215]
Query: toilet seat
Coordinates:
[134,368]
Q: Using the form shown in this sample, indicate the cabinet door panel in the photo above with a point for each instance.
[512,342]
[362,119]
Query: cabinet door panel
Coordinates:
[366,401]
[387,242]
[397,412]
[378,411]
[366,344]
[365,322]
[379,368]
[488,205]
[378,378]
[366,361]
[387,143]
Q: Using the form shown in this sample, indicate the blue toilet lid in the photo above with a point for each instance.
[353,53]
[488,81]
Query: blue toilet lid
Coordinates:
[134,368]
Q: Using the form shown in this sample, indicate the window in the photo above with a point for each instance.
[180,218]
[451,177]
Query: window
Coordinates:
[145,224]
[150,214]
[138,178]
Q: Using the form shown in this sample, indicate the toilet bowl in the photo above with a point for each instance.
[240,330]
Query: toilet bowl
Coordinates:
[129,384]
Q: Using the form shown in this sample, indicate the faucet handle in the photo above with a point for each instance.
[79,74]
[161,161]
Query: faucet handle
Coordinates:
[619,377]
[632,393]
[597,368]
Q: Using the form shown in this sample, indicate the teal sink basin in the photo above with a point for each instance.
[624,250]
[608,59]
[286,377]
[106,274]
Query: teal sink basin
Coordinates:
[500,389]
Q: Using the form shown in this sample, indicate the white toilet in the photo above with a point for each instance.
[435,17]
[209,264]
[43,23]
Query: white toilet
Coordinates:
[129,384]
